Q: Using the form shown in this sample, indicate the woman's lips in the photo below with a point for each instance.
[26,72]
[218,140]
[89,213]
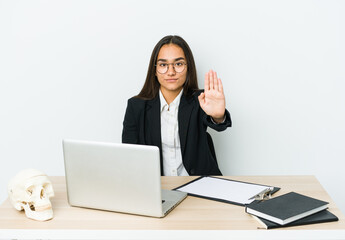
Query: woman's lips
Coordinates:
[171,79]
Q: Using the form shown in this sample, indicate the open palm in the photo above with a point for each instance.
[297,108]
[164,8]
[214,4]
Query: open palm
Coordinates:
[212,100]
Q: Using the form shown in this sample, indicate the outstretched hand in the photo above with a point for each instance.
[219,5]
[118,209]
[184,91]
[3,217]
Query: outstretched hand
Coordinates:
[212,100]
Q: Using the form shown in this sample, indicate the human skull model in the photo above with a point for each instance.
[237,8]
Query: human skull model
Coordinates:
[30,190]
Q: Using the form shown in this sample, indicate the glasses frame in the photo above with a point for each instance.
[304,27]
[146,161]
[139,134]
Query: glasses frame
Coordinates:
[173,65]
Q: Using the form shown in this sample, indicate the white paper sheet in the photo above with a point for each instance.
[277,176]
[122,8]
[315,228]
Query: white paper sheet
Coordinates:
[234,191]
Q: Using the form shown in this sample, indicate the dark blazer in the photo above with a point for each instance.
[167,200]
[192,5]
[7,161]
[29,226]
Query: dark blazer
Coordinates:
[141,125]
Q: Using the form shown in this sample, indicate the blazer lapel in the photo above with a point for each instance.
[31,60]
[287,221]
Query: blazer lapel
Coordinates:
[153,122]
[153,129]
[185,110]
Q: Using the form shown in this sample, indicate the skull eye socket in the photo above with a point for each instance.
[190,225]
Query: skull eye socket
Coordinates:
[48,189]
[29,191]
[42,193]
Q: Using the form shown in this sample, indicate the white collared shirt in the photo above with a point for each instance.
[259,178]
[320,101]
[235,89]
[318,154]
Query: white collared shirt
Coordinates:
[171,147]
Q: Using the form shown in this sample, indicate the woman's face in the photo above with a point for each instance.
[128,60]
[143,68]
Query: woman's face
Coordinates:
[171,82]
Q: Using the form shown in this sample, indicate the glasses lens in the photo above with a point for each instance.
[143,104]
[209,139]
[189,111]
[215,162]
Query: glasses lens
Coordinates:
[162,68]
[179,66]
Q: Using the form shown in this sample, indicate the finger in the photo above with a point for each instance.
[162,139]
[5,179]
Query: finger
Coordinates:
[215,81]
[211,80]
[207,82]
[220,85]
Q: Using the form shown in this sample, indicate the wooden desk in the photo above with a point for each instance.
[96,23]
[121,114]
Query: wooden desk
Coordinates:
[194,218]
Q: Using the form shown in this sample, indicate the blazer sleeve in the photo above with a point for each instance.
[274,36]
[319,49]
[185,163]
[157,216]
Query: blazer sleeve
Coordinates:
[218,127]
[130,132]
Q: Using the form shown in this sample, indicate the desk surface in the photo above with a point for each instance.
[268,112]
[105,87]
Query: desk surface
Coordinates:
[192,214]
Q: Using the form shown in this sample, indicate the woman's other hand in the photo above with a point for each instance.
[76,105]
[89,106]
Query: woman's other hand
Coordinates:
[212,100]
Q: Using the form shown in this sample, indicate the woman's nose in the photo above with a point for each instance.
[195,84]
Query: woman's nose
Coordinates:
[171,69]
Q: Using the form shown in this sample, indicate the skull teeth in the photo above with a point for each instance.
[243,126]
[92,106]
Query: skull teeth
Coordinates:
[41,213]
[43,208]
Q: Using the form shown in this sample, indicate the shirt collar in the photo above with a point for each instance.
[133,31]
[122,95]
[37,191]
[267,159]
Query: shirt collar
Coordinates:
[164,103]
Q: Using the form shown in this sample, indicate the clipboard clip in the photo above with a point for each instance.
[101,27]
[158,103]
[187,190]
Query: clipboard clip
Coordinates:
[263,195]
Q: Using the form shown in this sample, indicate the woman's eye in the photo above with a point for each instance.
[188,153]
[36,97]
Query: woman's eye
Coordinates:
[178,64]
[162,64]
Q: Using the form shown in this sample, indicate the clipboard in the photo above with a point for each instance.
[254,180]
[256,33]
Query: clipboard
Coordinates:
[226,190]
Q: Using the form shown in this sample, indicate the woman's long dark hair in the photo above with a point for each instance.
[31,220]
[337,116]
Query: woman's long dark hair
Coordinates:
[151,85]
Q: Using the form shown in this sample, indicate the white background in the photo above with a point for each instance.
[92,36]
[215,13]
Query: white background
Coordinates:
[67,69]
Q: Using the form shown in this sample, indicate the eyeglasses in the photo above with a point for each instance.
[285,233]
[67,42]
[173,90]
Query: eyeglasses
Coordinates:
[163,67]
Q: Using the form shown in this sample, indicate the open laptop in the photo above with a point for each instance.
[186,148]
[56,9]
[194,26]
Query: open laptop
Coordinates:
[117,177]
